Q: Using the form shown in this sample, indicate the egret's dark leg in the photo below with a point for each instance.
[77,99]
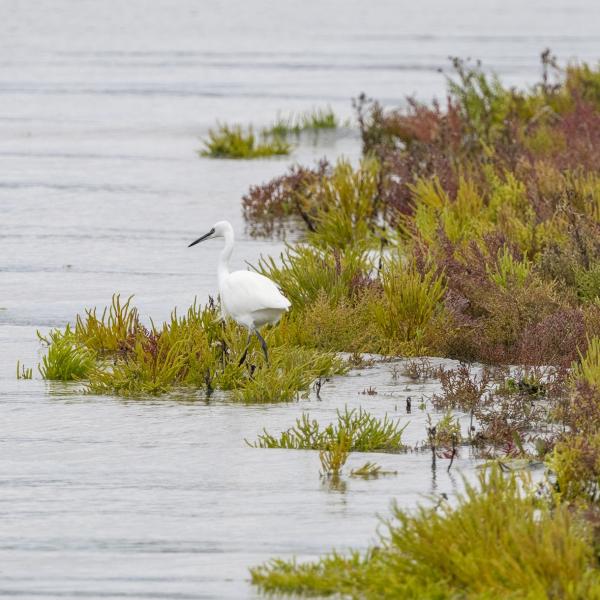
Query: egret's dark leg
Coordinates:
[263,344]
[245,351]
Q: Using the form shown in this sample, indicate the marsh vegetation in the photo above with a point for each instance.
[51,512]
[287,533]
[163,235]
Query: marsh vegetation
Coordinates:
[468,230]
[235,141]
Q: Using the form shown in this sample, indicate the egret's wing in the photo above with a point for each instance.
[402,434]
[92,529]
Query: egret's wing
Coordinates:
[245,291]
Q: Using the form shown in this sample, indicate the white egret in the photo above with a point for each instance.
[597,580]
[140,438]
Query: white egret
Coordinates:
[249,298]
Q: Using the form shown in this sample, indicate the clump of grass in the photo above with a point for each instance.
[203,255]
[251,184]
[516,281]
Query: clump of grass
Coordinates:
[234,142]
[509,272]
[65,360]
[315,120]
[443,552]
[150,367]
[362,431]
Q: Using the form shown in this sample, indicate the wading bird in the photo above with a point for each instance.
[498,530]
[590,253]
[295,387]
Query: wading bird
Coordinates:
[249,298]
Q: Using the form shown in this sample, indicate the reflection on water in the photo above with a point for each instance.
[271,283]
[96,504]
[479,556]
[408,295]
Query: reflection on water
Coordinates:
[102,108]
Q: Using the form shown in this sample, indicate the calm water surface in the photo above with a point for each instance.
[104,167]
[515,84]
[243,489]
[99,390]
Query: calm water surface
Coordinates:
[102,105]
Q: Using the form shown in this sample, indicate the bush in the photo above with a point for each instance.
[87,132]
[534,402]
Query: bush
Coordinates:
[411,301]
[444,552]
[576,465]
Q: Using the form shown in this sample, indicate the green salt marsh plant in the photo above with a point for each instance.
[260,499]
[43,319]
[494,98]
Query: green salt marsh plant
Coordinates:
[334,456]
[362,431]
[65,359]
[315,120]
[24,372]
[575,462]
[109,333]
[588,368]
[118,355]
[149,368]
[509,272]
[290,372]
[344,207]
[587,282]
[411,301]
[304,271]
[443,552]
[232,141]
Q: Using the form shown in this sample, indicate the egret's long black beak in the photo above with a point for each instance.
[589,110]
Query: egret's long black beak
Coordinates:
[204,237]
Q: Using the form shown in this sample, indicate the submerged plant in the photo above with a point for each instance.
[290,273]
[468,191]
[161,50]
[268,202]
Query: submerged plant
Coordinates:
[334,456]
[24,372]
[370,470]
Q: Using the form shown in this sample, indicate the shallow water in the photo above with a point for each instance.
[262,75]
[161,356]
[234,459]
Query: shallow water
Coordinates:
[102,105]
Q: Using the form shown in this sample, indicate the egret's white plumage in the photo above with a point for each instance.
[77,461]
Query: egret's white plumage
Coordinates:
[249,298]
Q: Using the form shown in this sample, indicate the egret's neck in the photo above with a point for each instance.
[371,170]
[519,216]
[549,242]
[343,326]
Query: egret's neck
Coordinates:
[223,270]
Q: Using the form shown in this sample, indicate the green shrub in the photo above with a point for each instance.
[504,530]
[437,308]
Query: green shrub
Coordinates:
[120,356]
[343,206]
[444,553]
[304,272]
[347,326]
[588,283]
[508,272]
[411,300]
[575,462]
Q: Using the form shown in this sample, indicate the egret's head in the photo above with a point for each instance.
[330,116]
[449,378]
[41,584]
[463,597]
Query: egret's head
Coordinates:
[219,230]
